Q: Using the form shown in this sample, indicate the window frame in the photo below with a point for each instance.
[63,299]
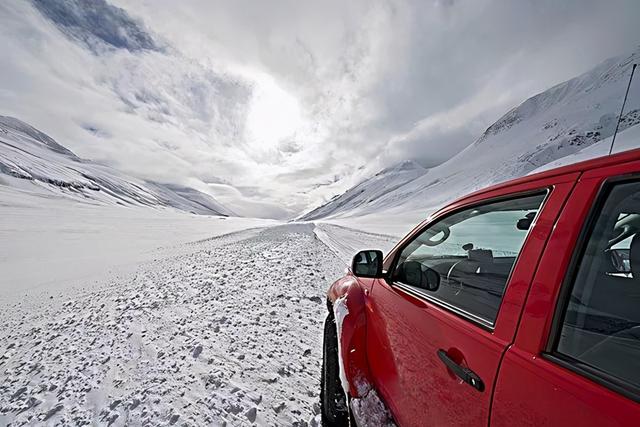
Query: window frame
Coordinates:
[424,295]
[550,351]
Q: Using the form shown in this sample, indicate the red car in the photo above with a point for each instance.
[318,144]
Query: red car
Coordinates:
[516,305]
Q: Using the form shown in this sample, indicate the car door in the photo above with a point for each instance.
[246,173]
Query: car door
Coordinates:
[434,350]
[576,357]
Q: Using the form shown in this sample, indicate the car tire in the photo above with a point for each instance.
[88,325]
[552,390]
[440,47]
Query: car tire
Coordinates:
[333,402]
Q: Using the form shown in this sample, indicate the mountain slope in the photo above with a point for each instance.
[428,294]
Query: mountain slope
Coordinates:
[559,122]
[33,161]
[368,190]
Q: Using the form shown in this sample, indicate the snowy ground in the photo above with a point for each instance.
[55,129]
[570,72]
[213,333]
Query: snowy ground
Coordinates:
[229,331]
[345,242]
[50,243]
[224,330]
[394,224]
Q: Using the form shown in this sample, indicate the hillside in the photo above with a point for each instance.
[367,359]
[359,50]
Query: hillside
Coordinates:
[368,190]
[554,124]
[32,161]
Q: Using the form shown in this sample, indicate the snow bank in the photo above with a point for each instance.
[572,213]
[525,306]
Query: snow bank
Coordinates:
[370,411]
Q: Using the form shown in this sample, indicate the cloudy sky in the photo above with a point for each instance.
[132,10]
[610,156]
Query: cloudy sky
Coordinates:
[274,106]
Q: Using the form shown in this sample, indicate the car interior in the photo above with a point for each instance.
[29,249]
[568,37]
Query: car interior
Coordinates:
[615,293]
[474,278]
[602,320]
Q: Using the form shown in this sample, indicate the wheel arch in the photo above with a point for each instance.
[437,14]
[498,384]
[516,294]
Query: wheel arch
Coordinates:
[346,302]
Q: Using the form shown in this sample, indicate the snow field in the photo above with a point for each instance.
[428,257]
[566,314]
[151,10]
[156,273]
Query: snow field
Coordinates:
[49,243]
[228,332]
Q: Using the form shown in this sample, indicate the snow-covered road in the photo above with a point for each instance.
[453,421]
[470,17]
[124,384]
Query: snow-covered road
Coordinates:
[226,331]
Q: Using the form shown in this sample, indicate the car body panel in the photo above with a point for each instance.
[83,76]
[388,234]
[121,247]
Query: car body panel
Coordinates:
[405,332]
[395,335]
[555,395]
[538,392]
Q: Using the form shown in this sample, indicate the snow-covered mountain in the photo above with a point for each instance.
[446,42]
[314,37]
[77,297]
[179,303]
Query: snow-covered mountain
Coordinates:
[32,161]
[368,190]
[556,123]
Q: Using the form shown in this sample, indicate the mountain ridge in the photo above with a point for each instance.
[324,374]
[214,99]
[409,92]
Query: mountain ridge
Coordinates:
[31,159]
[558,122]
[387,179]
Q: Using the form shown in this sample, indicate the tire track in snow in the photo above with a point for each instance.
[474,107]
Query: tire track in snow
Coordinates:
[345,242]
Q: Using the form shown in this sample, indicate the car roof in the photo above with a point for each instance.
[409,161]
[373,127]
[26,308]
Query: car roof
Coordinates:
[597,162]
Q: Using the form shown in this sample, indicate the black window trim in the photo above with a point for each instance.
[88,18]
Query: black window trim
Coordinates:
[423,295]
[549,352]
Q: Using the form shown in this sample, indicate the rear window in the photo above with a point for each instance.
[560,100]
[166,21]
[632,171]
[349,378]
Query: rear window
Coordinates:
[469,255]
[600,328]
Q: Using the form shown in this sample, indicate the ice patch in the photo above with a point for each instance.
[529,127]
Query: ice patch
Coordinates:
[340,311]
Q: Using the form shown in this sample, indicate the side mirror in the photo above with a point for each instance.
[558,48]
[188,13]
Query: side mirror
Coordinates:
[367,264]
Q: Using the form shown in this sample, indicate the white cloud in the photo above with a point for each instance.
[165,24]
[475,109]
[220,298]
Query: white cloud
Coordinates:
[287,102]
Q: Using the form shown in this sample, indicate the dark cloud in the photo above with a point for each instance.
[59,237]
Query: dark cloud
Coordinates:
[94,130]
[96,23]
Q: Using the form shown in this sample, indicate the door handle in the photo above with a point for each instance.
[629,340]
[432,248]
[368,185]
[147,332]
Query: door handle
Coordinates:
[464,373]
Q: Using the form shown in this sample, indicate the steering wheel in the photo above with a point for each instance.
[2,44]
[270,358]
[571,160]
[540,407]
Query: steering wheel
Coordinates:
[621,233]
[450,282]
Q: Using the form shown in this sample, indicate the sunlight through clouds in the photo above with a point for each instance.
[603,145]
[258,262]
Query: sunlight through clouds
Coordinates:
[273,114]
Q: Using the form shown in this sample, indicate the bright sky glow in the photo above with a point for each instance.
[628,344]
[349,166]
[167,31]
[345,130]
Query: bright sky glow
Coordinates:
[273,115]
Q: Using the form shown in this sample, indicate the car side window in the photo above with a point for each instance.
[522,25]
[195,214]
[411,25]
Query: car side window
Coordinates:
[600,328]
[463,261]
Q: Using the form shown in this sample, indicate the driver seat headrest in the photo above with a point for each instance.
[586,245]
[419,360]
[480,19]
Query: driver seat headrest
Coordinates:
[480,255]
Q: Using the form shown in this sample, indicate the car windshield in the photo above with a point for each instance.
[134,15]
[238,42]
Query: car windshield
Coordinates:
[458,234]
[470,254]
